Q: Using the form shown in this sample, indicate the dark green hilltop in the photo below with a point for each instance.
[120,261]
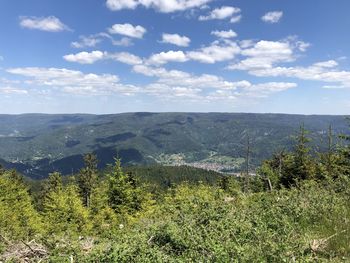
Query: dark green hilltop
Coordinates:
[36,144]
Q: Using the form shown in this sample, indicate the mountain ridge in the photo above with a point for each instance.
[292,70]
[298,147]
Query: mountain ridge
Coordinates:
[37,144]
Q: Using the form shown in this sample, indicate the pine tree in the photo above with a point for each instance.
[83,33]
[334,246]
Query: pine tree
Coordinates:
[87,178]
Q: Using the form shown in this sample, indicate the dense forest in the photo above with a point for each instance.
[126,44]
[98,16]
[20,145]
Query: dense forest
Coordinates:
[295,209]
[38,144]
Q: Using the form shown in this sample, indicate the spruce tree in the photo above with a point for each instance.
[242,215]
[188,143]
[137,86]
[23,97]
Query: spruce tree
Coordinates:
[330,166]
[300,166]
[63,209]
[18,218]
[87,178]
[124,194]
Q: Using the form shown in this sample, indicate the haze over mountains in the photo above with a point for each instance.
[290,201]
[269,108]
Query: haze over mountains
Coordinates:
[36,144]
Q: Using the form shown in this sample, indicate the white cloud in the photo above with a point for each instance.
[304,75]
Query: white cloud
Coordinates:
[223,12]
[326,64]
[128,30]
[50,24]
[176,39]
[246,43]
[180,78]
[165,57]
[93,40]
[321,71]
[87,41]
[124,41]
[122,4]
[263,57]
[11,90]
[171,84]
[74,82]
[224,34]
[85,57]
[216,52]
[236,19]
[272,17]
[126,58]
[265,89]
[264,54]
[94,56]
[164,6]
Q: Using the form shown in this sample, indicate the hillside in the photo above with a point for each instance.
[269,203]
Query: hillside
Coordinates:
[36,144]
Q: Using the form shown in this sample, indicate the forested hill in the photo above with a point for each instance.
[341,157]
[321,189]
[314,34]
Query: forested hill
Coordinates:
[36,144]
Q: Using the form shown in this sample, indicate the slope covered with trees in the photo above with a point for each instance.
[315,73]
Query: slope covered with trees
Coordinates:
[295,210]
[37,145]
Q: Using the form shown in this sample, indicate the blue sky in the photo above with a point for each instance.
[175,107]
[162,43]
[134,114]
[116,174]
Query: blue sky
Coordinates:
[112,56]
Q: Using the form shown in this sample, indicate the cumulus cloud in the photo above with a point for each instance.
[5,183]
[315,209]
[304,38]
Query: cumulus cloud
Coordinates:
[94,56]
[49,24]
[264,54]
[325,71]
[176,39]
[75,82]
[169,56]
[163,6]
[171,84]
[224,34]
[218,51]
[223,12]
[263,57]
[85,57]
[128,30]
[272,17]
[126,58]
[181,78]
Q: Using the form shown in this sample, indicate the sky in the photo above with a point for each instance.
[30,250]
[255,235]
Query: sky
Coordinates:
[112,56]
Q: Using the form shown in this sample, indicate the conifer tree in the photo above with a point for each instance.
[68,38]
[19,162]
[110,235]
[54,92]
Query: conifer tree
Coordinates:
[344,155]
[300,166]
[124,194]
[18,217]
[330,162]
[87,178]
[229,184]
[63,209]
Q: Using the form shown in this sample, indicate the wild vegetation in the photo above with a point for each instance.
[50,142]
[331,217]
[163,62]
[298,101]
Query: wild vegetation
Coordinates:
[295,210]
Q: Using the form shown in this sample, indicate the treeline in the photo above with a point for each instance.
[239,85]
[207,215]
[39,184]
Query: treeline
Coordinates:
[287,168]
[295,209]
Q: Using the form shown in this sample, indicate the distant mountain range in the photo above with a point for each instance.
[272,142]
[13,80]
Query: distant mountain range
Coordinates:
[36,144]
